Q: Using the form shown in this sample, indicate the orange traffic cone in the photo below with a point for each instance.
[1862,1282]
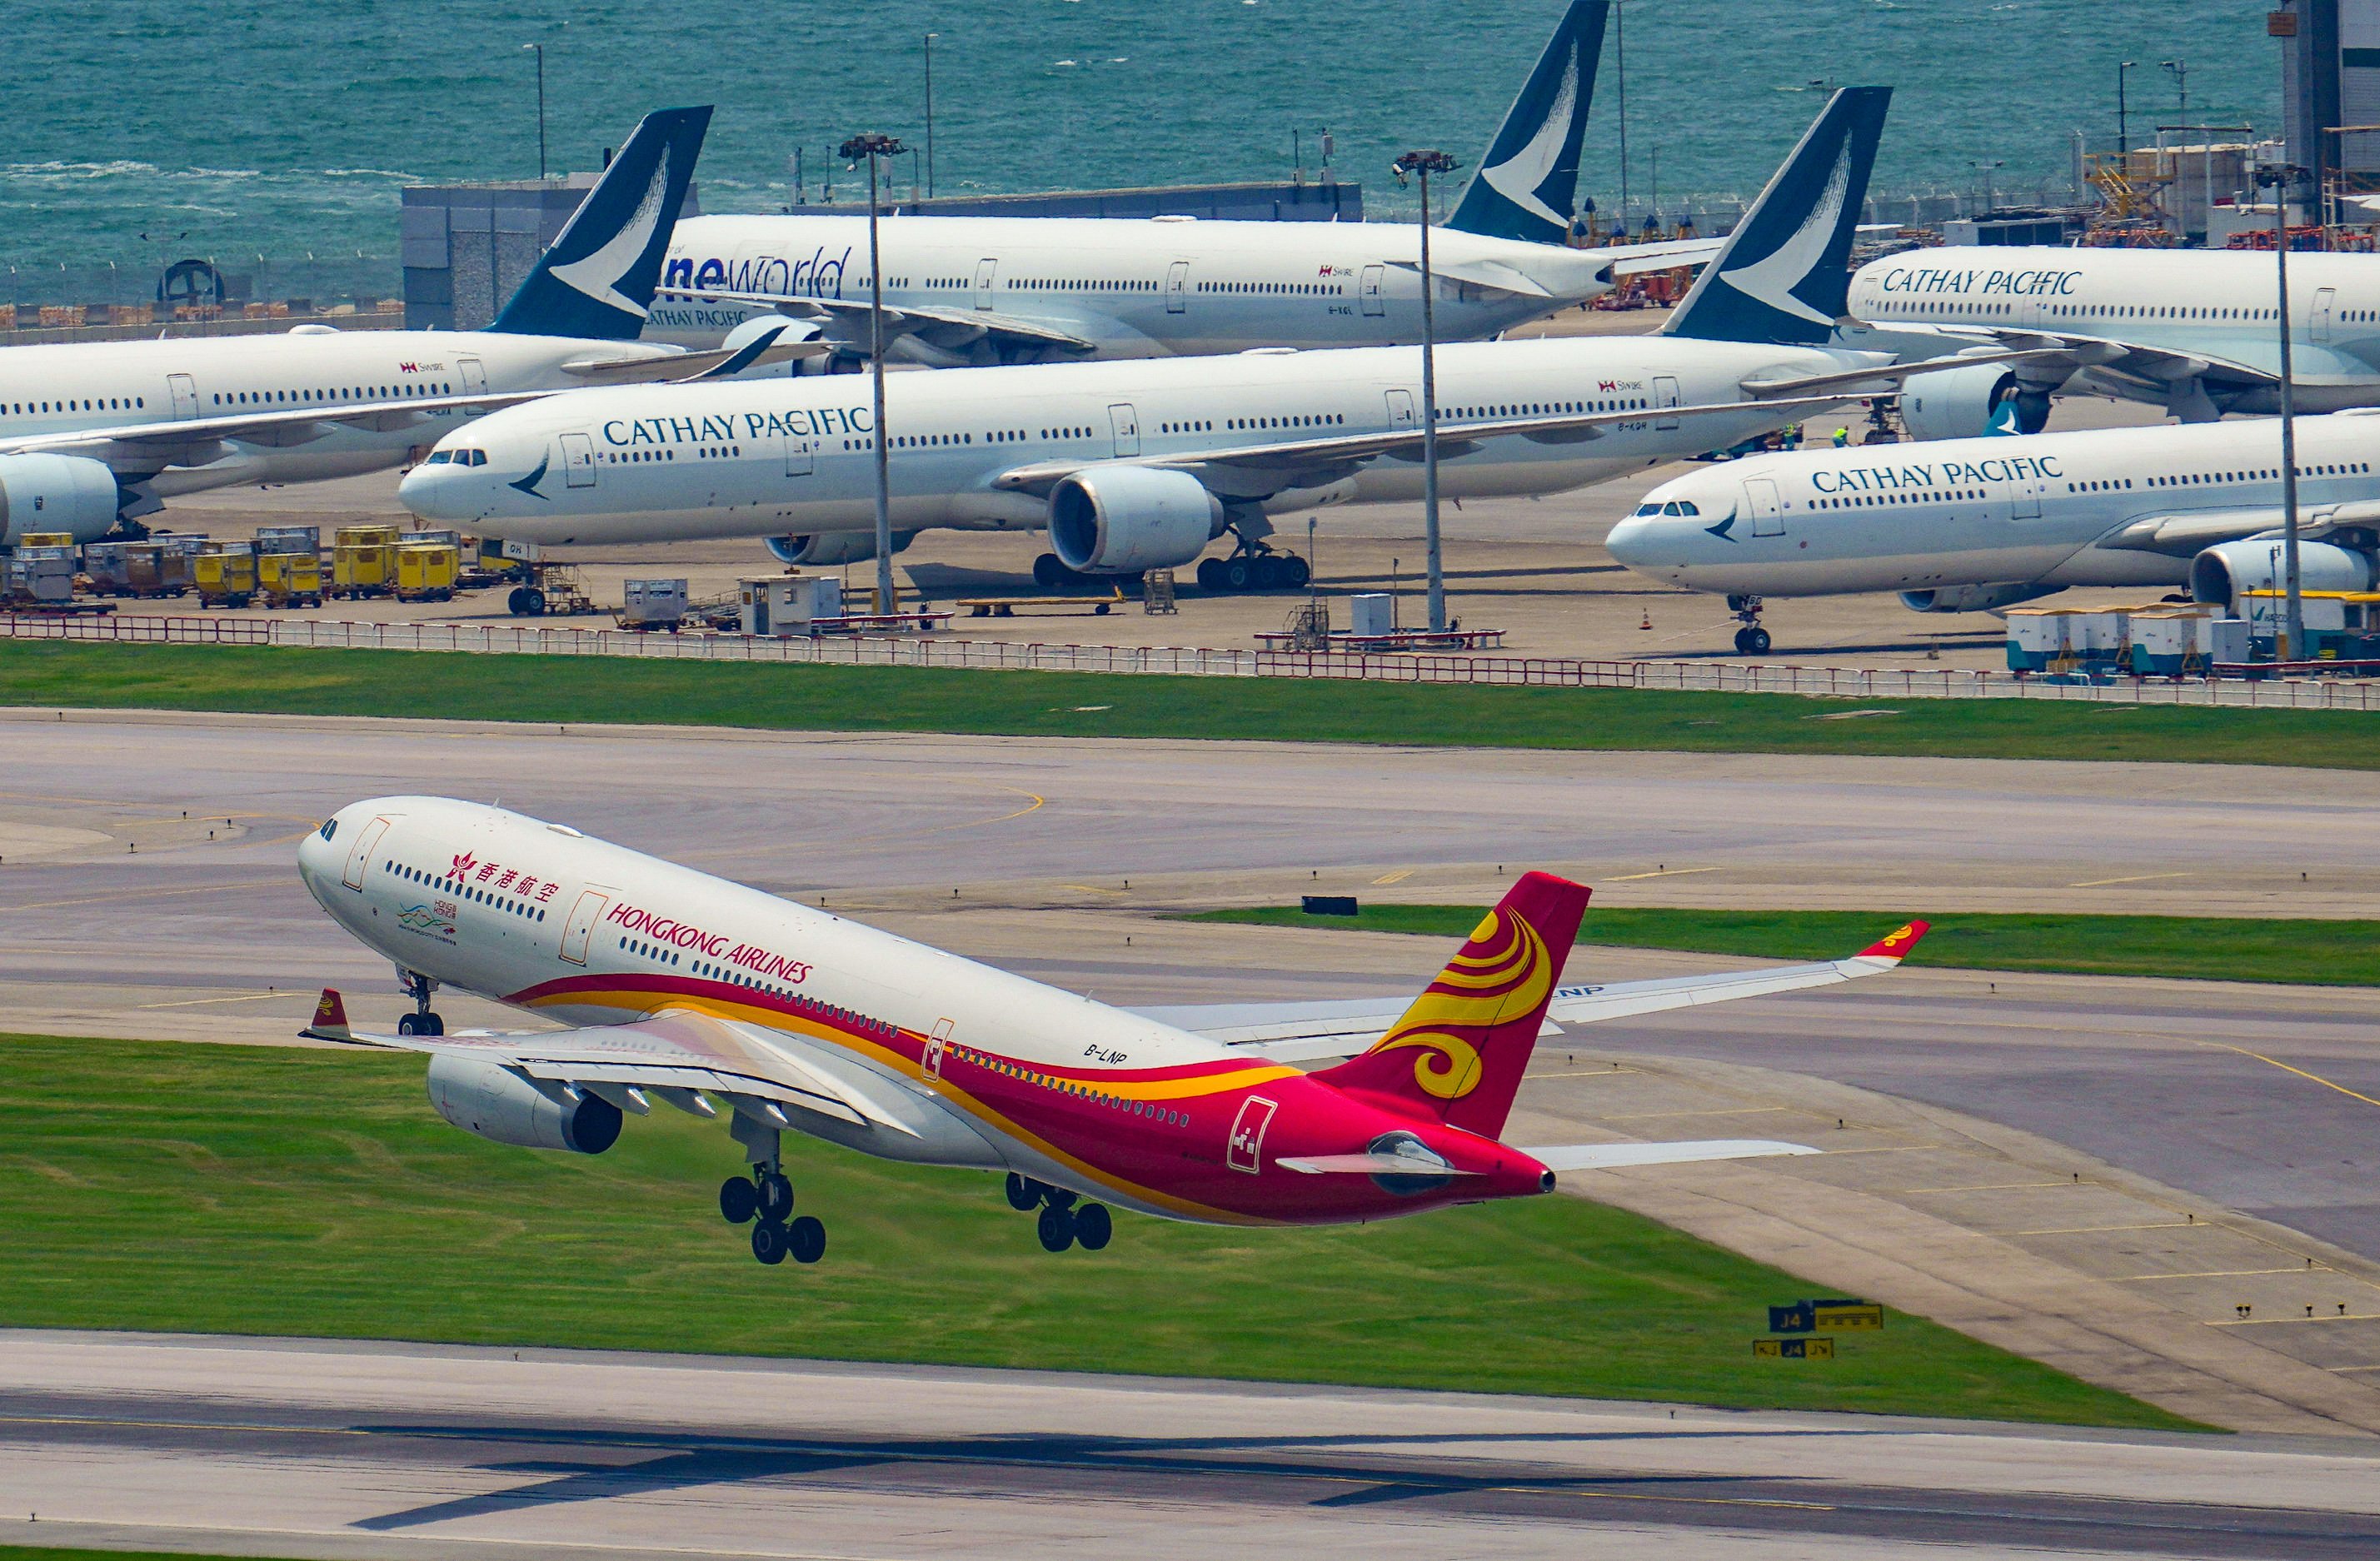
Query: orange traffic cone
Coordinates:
[1648,620]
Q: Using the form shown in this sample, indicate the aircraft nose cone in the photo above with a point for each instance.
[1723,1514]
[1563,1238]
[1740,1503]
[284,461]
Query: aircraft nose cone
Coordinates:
[434,493]
[1630,541]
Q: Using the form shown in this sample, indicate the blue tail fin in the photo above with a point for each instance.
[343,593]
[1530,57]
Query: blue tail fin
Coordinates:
[1527,184]
[1785,274]
[597,279]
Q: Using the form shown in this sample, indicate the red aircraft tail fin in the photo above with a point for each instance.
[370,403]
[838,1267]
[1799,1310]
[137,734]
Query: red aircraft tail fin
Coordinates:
[1457,1055]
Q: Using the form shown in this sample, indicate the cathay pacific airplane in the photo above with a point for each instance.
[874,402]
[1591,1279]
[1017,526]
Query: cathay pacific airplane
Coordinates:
[2196,331]
[992,290]
[94,435]
[1970,525]
[1138,466]
[676,987]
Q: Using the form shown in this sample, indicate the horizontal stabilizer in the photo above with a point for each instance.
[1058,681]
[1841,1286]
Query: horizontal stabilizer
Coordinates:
[1614,1156]
[1370,1165]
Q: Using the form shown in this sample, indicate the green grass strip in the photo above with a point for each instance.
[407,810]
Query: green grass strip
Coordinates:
[2315,953]
[242,1190]
[574,689]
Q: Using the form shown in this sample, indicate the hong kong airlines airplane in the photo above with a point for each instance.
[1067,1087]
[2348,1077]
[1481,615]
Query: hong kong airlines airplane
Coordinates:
[681,988]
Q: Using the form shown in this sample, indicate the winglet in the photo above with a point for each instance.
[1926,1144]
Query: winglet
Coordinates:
[1895,945]
[330,1019]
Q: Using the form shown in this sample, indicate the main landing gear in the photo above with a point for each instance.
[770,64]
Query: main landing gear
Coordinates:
[765,1202]
[1254,566]
[1063,1222]
[423,1020]
[1750,639]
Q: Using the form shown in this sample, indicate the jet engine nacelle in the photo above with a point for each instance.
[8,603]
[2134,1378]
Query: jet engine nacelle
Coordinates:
[1972,598]
[500,1105]
[1120,520]
[2221,573]
[1959,403]
[71,493]
[826,548]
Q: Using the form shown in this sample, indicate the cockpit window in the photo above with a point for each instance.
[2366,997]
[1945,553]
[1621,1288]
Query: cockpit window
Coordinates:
[1686,506]
[1653,508]
[458,458]
[330,827]
[439,457]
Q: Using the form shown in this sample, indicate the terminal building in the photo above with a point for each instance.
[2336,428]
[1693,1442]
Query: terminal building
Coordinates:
[2330,96]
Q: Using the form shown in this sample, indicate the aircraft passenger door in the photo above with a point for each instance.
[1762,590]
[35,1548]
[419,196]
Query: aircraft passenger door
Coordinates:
[1367,288]
[2024,499]
[185,392]
[2325,300]
[985,271]
[475,375]
[799,461]
[1126,424]
[577,460]
[1400,410]
[1760,502]
[935,1044]
[581,927]
[1664,394]
[1244,1151]
[359,859]
[1177,287]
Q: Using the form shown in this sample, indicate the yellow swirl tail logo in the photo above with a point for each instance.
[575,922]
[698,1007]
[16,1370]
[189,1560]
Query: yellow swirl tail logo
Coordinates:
[1503,974]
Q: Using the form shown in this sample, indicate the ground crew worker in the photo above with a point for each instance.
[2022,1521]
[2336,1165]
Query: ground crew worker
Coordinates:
[1842,437]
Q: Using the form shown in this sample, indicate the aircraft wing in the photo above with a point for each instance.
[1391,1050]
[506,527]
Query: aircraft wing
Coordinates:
[1632,259]
[2074,351]
[1293,462]
[2185,533]
[288,426]
[850,318]
[674,1054]
[715,363]
[1886,377]
[1309,1031]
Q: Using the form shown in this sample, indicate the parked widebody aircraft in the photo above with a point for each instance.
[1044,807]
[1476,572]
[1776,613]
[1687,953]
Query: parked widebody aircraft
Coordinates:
[1968,525]
[1139,465]
[700,993]
[992,290]
[2196,331]
[97,435]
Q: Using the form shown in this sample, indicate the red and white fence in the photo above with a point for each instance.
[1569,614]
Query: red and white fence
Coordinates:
[2305,693]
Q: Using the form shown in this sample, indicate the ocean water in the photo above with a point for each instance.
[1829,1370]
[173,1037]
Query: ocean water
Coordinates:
[138,130]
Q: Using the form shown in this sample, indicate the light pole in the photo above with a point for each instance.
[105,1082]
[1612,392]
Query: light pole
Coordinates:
[1422,163]
[2123,120]
[1986,169]
[2180,72]
[538,49]
[930,113]
[2277,178]
[874,146]
[1620,49]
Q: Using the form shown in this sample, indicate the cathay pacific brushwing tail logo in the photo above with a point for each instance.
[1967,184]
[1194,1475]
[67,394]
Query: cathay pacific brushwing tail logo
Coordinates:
[1772,278]
[528,484]
[1517,178]
[1723,527]
[598,275]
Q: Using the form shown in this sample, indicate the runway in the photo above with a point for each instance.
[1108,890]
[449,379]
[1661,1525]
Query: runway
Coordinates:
[366,1450]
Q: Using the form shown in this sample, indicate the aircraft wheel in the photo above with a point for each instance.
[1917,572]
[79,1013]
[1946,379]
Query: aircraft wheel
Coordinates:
[1751,641]
[1023,1195]
[420,1024]
[1092,1226]
[1048,572]
[806,1240]
[738,1200]
[776,1197]
[1238,574]
[1056,1228]
[1295,573]
[1269,573]
[1210,574]
[769,1242]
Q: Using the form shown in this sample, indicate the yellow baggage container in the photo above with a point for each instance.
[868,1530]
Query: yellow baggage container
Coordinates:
[362,534]
[225,579]
[47,540]
[362,569]
[428,571]
[290,579]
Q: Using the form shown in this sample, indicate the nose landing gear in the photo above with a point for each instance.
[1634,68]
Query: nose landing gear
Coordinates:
[1750,639]
[423,1020]
[1062,1223]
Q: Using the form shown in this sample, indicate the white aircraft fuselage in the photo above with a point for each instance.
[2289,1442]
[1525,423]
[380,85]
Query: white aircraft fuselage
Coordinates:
[772,458]
[2042,509]
[1154,287]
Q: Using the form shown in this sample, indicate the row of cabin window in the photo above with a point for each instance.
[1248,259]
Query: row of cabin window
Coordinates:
[462,890]
[99,404]
[1871,500]
[1545,408]
[1091,285]
[1304,289]
[1069,1086]
[2193,479]
[2102,311]
[358,392]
